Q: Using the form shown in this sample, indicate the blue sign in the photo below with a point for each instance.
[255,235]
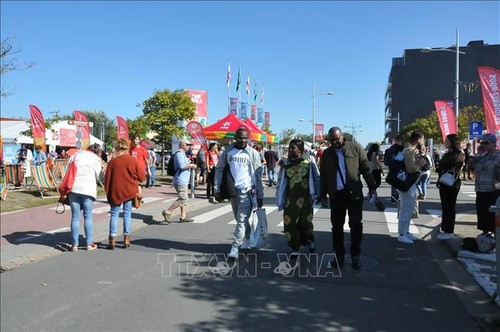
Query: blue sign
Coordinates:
[475,130]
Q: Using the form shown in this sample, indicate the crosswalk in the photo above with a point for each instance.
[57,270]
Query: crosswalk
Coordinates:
[102,206]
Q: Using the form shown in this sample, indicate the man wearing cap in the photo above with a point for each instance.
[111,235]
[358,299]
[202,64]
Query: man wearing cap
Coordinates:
[487,182]
[183,167]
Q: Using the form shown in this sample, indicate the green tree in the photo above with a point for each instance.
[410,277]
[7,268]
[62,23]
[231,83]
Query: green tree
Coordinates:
[164,111]
[138,126]
[101,123]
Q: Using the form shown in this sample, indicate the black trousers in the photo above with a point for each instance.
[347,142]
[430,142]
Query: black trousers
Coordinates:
[486,219]
[339,206]
[210,182]
[448,196]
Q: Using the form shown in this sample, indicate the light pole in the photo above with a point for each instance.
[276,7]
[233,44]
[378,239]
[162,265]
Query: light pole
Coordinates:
[354,130]
[314,110]
[457,69]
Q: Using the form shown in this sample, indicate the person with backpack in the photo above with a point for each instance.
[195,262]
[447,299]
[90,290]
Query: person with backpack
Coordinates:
[389,155]
[180,166]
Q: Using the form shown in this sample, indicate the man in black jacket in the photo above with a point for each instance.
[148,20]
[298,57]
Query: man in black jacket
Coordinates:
[271,159]
[341,166]
[389,154]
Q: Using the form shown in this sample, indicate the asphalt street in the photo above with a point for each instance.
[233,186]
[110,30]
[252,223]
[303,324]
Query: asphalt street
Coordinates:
[176,277]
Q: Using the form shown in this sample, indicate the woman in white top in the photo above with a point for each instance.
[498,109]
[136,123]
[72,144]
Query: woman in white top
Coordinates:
[373,156]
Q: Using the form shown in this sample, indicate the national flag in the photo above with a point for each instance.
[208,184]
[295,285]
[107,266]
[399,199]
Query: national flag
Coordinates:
[37,126]
[255,92]
[228,80]
[247,88]
[239,80]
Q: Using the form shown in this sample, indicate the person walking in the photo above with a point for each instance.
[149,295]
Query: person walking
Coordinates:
[373,156]
[296,191]
[389,155]
[83,194]
[180,181]
[151,176]
[452,161]
[413,162]
[342,165]
[122,174]
[212,160]
[245,168]
[271,159]
[141,154]
[487,182]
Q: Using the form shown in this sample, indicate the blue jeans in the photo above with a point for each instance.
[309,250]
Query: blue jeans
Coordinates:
[271,175]
[79,202]
[242,206]
[422,183]
[127,218]
[150,180]
[406,207]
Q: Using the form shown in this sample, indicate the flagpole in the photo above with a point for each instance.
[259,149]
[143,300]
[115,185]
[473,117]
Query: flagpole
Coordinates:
[228,83]
[239,91]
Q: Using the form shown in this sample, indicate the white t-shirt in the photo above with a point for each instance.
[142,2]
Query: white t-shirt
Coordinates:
[240,167]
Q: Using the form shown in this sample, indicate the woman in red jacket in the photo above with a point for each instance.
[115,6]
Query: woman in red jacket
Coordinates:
[122,174]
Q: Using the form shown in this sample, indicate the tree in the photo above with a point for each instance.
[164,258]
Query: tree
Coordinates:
[101,123]
[164,111]
[8,62]
[138,126]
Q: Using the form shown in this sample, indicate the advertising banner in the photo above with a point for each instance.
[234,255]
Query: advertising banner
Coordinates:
[200,99]
[253,113]
[195,129]
[318,132]
[122,128]
[233,106]
[267,118]
[243,110]
[37,127]
[67,137]
[82,130]
[446,118]
[490,78]
[260,115]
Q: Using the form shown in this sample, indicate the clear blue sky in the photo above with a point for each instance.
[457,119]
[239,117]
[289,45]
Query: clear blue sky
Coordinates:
[111,56]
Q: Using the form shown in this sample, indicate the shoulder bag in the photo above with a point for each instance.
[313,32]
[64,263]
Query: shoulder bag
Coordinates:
[448,178]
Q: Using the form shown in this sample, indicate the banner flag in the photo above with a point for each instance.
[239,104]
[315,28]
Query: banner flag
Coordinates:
[267,118]
[82,130]
[446,117]
[490,78]
[122,128]
[233,106]
[318,132]
[195,129]
[37,127]
[243,110]
[228,77]
[253,113]
[260,115]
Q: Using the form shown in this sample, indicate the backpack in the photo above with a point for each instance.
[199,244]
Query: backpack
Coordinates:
[171,165]
[391,152]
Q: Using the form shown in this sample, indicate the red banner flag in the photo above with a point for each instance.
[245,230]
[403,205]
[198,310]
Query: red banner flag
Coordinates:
[446,117]
[318,132]
[122,128]
[82,130]
[490,78]
[195,129]
[37,127]
[267,118]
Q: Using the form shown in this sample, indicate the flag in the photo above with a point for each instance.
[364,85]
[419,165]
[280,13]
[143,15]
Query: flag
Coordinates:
[490,79]
[446,118]
[255,92]
[122,128]
[233,106]
[82,130]
[243,110]
[262,95]
[228,80]
[239,80]
[247,88]
[267,118]
[195,129]
[37,127]
[318,132]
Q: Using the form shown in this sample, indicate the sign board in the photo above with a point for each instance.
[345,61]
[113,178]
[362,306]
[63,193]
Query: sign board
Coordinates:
[475,130]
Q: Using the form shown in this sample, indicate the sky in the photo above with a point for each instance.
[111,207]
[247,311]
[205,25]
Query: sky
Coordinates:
[111,56]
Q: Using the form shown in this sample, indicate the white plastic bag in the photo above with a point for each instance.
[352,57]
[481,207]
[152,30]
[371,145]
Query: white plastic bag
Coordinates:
[258,229]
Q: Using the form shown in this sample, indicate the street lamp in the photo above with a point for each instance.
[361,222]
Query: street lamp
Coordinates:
[457,67]
[314,110]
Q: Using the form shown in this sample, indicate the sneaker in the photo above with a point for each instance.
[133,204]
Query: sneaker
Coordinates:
[74,248]
[186,220]
[91,246]
[356,262]
[445,236]
[245,245]
[405,239]
[166,216]
[412,237]
[233,253]
[312,247]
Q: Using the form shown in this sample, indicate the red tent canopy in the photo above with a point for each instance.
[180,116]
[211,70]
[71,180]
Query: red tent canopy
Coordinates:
[259,134]
[224,128]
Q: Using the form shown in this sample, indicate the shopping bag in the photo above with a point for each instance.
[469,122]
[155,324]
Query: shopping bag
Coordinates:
[258,229]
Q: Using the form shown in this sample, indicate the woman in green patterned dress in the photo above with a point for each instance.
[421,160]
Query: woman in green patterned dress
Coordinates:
[297,190]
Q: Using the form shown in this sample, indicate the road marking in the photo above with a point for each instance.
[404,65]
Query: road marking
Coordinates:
[391,218]
[268,211]
[434,213]
[31,236]
[103,206]
[207,216]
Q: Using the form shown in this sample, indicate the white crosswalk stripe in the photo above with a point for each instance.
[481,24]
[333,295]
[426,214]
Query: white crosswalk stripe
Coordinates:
[391,218]
[207,216]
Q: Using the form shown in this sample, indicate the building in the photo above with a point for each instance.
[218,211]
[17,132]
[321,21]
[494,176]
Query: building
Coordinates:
[418,79]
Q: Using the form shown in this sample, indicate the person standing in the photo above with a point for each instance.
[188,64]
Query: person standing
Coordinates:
[212,160]
[63,155]
[389,155]
[452,161]
[468,154]
[271,159]
[83,194]
[151,178]
[297,190]
[25,157]
[183,167]
[487,182]
[425,170]
[373,156]
[245,167]
[413,162]
[342,165]
[141,154]
[201,166]
[41,156]
[122,174]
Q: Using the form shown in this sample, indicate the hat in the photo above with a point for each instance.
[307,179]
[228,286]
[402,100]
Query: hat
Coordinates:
[491,138]
[185,141]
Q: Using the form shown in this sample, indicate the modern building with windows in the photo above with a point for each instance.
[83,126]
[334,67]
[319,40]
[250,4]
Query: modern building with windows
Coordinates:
[417,79]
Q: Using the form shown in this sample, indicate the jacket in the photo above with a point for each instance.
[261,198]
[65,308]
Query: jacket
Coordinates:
[256,167]
[356,164]
[314,186]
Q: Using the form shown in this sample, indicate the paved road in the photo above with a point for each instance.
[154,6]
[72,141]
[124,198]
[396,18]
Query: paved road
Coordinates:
[176,277]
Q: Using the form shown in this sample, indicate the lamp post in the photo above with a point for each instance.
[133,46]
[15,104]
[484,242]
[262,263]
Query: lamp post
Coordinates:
[457,69]
[354,130]
[314,110]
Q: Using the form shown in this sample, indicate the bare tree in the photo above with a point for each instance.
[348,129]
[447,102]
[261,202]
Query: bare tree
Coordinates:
[8,62]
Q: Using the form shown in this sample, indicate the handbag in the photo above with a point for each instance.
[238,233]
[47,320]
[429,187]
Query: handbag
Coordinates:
[258,229]
[448,178]
[401,179]
[137,201]
[65,187]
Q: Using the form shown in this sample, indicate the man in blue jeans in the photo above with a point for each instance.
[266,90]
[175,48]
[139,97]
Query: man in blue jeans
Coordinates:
[271,159]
